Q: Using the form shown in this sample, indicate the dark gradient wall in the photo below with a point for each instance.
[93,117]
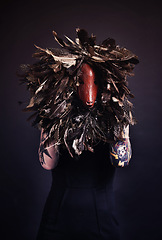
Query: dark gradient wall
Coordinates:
[24,185]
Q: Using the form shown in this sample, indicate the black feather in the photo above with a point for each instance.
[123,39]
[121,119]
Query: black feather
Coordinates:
[53,87]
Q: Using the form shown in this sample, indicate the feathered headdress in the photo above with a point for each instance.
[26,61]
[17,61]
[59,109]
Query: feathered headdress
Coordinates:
[53,81]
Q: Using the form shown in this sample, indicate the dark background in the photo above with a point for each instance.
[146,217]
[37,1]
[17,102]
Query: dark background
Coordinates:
[24,184]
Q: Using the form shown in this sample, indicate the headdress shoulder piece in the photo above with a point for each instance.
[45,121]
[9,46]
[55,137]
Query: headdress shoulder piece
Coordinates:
[53,81]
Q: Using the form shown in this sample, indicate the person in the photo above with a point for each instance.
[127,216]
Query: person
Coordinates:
[80,99]
[80,204]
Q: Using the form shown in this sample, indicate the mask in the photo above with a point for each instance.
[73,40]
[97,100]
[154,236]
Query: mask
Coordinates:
[87,90]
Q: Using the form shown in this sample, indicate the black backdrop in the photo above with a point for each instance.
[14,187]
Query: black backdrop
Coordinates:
[24,184]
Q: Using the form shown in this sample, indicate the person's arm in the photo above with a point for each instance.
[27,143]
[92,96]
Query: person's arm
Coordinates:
[48,156]
[120,151]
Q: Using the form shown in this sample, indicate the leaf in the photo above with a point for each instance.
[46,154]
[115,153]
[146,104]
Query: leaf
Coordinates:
[82,35]
[109,43]
[67,61]
[31,103]
[65,141]
[71,41]
[115,99]
[41,87]
[58,109]
[59,40]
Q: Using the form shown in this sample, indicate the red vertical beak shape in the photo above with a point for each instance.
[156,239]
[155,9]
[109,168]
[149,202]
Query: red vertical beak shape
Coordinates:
[87,90]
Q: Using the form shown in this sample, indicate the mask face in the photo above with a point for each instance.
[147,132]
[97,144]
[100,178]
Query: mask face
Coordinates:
[88,88]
